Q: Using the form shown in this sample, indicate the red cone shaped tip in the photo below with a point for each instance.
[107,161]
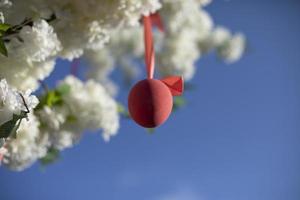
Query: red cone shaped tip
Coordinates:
[157,21]
[175,84]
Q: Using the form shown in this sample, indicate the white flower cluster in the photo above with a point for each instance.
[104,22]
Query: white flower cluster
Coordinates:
[187,24]
[30,56]
[229,47]
[80,26]
[189,33]
[87,106]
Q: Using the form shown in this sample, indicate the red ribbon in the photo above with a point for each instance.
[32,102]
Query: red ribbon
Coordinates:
[149,48]
[174,83]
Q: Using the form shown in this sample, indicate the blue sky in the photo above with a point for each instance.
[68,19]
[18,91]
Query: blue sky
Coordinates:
[238,138]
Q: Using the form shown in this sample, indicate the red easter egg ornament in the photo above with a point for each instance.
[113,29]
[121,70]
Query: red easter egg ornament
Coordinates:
[150,103]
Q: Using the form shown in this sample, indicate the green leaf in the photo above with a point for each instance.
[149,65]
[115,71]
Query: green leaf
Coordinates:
[121,108]
[2,142]
[3,49]
[4,27]
[150,130]
[179,102]
[64,89]
[13,133]
[71,119]
[7,128]
[53,98]
[123,111]
[10,128]
[51,157]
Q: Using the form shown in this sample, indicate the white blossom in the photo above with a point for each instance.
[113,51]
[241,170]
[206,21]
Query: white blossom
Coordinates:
[39,42]
[97,37]
[23,75]
[51,118]
[61,132]
[187,24]
[86,107]
[12,103]
[233,48]
[93,108]
[29,145]
[85,25]
[30,57]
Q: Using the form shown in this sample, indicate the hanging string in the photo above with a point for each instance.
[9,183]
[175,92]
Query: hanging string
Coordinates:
[149,48]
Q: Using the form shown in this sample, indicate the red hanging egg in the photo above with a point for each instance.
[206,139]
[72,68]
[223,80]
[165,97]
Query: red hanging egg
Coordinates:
[150,103]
